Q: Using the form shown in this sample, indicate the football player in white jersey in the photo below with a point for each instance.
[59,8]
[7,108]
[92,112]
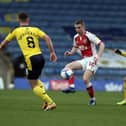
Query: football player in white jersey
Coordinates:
[85,42]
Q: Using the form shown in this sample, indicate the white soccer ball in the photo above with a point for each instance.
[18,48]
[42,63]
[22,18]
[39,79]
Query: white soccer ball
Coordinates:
[66,73]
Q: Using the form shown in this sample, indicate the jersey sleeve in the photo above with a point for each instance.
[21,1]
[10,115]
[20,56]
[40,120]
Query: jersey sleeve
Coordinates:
[93,38]
[74,42]
[41,33]
[10,36]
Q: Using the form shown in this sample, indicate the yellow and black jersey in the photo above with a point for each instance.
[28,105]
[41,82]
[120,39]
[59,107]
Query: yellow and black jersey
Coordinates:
[28,39]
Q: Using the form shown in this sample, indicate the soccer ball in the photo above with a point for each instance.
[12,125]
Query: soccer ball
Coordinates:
[66,73]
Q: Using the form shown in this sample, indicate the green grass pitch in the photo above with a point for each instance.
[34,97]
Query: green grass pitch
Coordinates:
[22,108]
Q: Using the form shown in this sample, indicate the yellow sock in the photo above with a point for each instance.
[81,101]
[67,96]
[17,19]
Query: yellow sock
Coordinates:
[40,83]
[40,91]
[124,89]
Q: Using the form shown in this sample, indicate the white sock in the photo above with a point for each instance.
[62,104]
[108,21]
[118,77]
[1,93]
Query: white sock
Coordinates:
[72,85]
[93,98]
[88,85]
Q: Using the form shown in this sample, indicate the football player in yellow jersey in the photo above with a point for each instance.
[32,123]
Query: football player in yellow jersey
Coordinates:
[123,102]
[27,38]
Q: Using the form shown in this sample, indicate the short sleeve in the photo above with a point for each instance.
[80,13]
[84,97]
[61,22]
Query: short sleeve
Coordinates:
[93,38]
[74,42]
[10,36]
[41,33]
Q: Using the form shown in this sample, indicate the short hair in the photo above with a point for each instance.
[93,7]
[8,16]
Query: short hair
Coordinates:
[23,16]
[80,21]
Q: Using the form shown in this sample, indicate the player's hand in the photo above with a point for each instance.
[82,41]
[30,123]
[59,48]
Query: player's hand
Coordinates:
[53,57]
[67,53]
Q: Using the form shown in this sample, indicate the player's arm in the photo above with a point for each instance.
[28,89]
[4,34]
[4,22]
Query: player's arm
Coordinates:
[93,38]
[8,38]
[49,43]
[101,49]
[3,44]
[71,52]
[122,53]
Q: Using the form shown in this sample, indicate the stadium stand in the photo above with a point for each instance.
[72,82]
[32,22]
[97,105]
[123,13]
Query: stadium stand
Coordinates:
[56,17]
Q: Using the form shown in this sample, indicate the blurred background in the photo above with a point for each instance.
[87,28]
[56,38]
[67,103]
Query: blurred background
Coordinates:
[106,19]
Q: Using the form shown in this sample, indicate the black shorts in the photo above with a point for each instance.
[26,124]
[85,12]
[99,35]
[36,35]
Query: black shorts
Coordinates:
[37,62]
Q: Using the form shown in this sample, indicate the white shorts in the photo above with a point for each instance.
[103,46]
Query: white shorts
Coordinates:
[89,63]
